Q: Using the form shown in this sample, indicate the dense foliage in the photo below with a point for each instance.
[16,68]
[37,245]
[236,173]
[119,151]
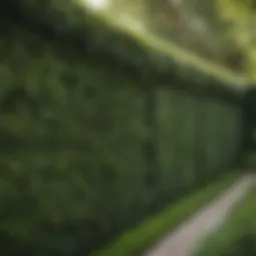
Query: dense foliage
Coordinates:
[96,137]
[220,30]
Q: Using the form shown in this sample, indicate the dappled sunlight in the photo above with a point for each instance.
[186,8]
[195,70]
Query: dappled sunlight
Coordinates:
[97,5]
[131,23]
[124,17]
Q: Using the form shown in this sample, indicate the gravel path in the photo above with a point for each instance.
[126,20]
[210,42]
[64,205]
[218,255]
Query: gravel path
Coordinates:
[183,240]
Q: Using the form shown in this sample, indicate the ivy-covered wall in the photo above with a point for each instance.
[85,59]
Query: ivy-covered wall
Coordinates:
[91,143]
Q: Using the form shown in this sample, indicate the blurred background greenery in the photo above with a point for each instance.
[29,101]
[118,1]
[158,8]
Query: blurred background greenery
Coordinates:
[220,30]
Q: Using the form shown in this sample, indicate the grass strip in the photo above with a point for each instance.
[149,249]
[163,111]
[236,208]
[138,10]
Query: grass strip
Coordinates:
[237,236]
[137,240]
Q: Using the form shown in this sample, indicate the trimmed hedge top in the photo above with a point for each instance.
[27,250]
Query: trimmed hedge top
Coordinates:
[134,47]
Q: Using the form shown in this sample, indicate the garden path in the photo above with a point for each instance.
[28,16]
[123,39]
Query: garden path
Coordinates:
[185,239]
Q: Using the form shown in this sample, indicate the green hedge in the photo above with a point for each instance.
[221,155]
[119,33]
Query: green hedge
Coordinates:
[250,161]
[139,49]
[98,130]
[137,240]
[237,237]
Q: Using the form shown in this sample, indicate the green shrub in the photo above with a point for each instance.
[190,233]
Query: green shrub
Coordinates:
[237,237]
[135,241]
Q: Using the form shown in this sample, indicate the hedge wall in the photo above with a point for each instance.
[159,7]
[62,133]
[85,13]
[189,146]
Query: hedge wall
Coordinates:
[95,133]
